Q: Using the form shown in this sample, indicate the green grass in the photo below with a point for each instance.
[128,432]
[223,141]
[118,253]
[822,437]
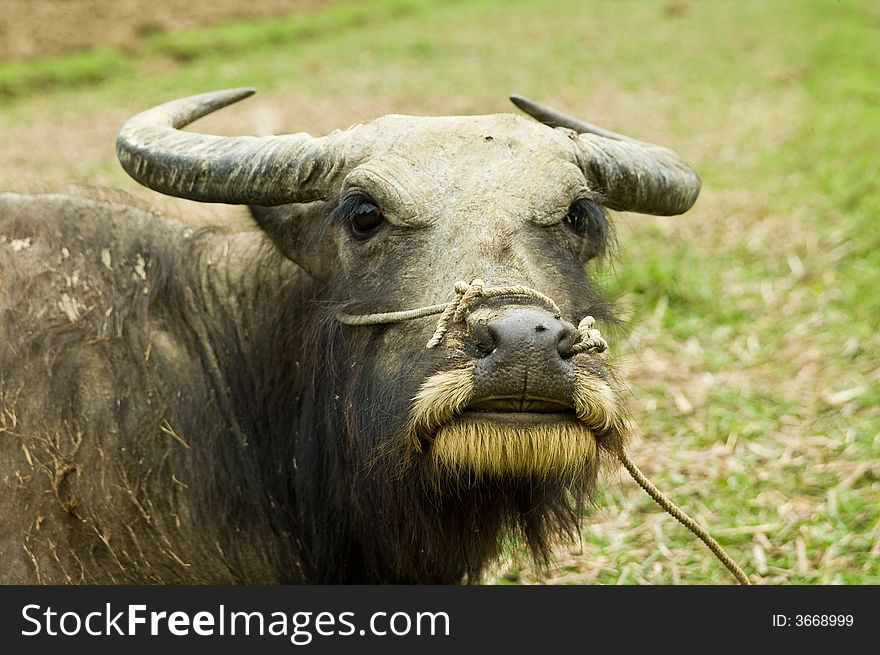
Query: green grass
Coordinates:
[752,353]
[19,78]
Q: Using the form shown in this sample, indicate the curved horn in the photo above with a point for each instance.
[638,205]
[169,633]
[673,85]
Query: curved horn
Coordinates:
[251,170]
[631,175]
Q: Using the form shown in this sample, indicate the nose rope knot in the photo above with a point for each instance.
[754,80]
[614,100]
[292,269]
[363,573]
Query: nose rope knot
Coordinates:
[455,311]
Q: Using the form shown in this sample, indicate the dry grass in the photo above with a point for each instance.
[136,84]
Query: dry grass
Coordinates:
[42,29]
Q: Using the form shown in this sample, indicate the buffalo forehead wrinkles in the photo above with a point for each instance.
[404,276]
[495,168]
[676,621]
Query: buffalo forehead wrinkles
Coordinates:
[448,162]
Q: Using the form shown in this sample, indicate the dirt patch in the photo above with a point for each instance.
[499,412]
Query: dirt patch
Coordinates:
[75,153]
[45,28]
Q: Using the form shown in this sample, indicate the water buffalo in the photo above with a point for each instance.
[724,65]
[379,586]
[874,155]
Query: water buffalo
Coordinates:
[277,405]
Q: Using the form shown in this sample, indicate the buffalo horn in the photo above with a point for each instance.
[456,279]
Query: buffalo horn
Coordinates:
[629,175]
[266,171]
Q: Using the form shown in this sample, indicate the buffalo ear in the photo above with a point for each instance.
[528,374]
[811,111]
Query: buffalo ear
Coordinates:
[296,231]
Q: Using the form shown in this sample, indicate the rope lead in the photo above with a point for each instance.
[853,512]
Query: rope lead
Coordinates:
[673,510]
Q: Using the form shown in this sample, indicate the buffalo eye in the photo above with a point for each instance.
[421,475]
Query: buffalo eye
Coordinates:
[580,215]
[589,220]
[365,219]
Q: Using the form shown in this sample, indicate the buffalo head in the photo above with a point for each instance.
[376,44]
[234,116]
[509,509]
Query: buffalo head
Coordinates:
[503,423]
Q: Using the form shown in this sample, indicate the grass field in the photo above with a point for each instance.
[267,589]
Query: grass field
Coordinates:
[753,352]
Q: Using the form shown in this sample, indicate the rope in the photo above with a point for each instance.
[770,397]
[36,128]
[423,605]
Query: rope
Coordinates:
[672,509]
[458,308]
[591,338]
[390,317]
[591,341]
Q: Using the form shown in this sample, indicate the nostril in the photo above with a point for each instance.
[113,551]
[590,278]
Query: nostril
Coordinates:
[481,336]
[568,337]
[540,328]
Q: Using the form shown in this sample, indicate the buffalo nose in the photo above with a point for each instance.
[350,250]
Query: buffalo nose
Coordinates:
[522,352]
[522,333]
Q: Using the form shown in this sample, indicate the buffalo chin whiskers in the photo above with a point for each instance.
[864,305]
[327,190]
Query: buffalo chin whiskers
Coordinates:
[469,446]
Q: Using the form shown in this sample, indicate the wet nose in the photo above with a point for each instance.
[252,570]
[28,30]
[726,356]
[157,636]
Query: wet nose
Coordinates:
[522,332]
[522,350]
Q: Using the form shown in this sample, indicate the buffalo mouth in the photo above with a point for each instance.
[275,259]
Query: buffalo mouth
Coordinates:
[462,432]
[519,436]
[518,410]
